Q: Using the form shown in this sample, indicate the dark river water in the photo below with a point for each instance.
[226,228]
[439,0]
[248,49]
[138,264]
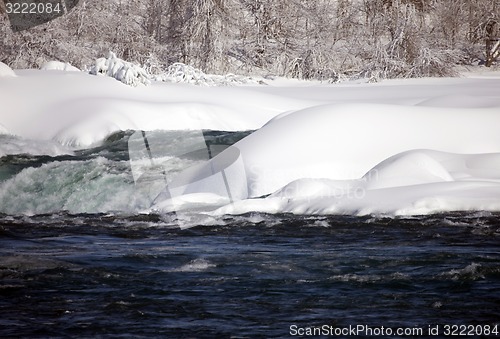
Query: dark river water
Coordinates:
[250,276]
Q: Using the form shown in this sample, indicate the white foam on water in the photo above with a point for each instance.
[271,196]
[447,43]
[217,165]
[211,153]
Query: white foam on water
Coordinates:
[471,272]
[196,265]
[94,186]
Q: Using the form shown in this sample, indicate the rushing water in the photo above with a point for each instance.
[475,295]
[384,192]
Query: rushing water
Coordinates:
[249,276]
[68,270]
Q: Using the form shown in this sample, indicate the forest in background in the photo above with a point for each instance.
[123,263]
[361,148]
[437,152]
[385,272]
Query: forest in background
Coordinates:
[307,39]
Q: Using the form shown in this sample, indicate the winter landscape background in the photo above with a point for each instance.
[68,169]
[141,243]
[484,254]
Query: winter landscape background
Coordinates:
[321,39]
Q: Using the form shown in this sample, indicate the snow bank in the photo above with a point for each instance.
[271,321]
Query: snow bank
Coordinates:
[375,158]
[59,66]
[368,159]
[77,109]
[441,182]
[345,141]
[6,71]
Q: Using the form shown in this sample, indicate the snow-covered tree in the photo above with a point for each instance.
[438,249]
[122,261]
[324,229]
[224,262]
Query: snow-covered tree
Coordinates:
[320,39]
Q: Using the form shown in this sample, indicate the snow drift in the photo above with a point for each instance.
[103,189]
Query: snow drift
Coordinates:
[411,183]
[6,71]
[344,141]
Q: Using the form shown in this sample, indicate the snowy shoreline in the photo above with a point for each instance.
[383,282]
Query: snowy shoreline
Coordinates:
[433,143]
